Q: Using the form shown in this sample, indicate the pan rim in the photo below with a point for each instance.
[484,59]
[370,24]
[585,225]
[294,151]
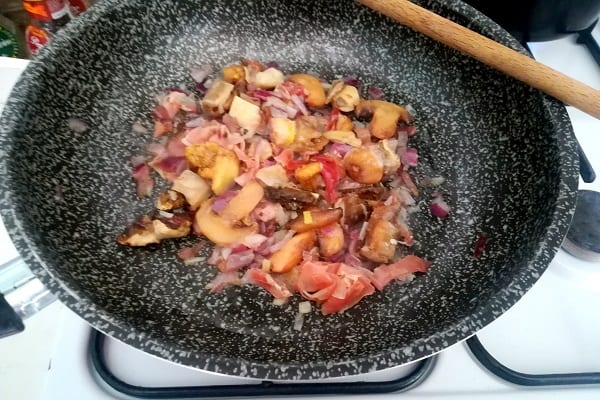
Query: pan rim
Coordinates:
[497,304]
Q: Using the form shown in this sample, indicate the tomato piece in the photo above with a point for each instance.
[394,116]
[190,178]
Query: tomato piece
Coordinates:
[337,286]
[315,282]
[333,118]
[266,281]
[355,290]
[402,268]
[293,89]
[330,172]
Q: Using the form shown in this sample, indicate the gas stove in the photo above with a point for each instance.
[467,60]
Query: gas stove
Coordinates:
[546,346]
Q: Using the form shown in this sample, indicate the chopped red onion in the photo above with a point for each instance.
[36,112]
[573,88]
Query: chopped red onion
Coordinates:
[363,230]
[143,180]
[137,160]
[277,113]
[161,113]
[77,125]
[439,207]
[202,88]
[231,123]
[298,321]
[279,244]
[411,157]
[375,93]
[480,245]
[339,149]
[156,148]
[261,94]
[224,279]
[352,80]
[187,253]
[137,127]
[176,89]
[411,130]
[352,261]
[222,200]
[254,241]
[304,307]
[276,102]
[405,197]
[272,64]
[169,168]
[299,104]
[193,123]
[199,73]
[239,260]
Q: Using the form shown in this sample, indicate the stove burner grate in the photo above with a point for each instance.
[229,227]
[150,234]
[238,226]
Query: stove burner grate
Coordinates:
[522,379]
[264,388]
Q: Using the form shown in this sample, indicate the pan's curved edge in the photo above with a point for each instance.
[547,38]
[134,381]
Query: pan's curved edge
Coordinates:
[501,302]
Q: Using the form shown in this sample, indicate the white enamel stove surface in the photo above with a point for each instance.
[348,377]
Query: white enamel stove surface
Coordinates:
[554,328]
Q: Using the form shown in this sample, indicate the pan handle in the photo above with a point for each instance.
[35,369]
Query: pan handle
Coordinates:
[585,167]
[21,296]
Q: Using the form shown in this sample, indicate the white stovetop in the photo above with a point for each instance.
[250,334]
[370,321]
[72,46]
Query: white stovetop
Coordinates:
[47,360]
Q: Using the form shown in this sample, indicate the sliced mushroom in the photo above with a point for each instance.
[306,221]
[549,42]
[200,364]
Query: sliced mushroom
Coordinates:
[371,192]
[291,198]
[315,93]
[170,200]
[385,117]
[381,235]
[218,98]
[147,230]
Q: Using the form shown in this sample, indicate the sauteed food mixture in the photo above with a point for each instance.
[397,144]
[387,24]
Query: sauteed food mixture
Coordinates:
[302,185]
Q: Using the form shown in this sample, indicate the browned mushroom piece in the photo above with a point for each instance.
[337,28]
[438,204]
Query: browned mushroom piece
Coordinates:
[170,200]
[385,117]
[291,198]
[148,230]
[355,209]
[382,233]
[308,135]
[371,192]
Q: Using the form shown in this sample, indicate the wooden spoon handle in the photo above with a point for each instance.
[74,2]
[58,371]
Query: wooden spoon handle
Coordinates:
[497,56]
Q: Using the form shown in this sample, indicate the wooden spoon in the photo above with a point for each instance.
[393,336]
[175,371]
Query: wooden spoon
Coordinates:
[489,52]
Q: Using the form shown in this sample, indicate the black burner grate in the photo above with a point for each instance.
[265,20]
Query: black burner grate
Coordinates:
[264,388]
[522,379]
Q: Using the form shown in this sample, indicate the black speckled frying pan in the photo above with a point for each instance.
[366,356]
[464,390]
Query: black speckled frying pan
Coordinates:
[507,151]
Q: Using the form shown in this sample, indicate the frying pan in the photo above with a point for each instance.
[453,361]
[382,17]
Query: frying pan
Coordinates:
[507,152]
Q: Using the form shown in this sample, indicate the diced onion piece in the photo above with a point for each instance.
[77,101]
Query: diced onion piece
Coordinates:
[268,79]
[165,214]
[199,73]
[439,207]
[137,127]
[298,321]
[283,131]
[304,307]
[246,114]
[194,260]
[273,176]
[279,302]
[193,187]
[375,93]
[266,265]
[363,231]
[345,137]
[77,125]
[437,181]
